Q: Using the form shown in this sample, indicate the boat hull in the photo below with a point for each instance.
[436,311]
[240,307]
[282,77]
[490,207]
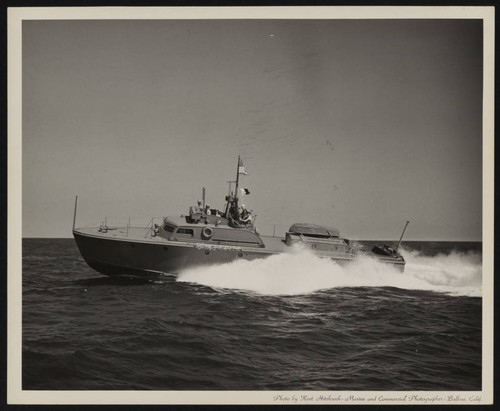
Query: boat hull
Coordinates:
[118,255]
[122,256]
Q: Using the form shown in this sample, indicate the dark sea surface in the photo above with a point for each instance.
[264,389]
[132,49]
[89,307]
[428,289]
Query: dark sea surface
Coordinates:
[290,322]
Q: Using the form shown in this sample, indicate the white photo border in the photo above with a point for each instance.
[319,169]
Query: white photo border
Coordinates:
[15,18]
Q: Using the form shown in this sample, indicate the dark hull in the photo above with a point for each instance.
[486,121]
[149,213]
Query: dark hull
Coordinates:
[112,256]
[120,256]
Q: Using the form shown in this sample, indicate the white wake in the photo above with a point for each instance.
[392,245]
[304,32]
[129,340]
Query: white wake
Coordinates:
[301,272]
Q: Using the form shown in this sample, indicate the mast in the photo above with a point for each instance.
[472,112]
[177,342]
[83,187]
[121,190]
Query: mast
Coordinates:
[237,181]
[230,198]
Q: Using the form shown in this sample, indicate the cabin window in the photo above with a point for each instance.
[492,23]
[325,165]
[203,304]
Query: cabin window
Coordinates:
[169,228]
[188,231]
[315,235]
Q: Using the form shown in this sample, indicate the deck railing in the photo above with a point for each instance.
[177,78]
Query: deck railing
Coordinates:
[148,224]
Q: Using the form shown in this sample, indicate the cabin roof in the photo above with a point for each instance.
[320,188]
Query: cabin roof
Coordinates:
[313,229]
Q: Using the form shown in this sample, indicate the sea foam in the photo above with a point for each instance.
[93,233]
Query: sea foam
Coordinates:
[301,272]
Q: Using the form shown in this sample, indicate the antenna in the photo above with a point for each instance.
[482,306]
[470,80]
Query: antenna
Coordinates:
[74,215]
[402,234]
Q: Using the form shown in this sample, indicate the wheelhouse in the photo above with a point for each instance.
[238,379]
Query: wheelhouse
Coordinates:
[211,233]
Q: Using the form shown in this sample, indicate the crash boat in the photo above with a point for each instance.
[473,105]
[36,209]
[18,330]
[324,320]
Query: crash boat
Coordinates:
[208,236]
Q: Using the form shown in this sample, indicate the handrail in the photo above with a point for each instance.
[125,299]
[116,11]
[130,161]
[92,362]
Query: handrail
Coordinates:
[148,229]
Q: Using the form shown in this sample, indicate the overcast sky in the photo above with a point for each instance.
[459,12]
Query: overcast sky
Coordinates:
[358,124]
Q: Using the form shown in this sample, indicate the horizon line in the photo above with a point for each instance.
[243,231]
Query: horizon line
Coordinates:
[355,239]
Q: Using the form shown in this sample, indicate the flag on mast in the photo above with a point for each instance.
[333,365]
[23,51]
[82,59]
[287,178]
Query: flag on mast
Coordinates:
[244,191]
[241,168]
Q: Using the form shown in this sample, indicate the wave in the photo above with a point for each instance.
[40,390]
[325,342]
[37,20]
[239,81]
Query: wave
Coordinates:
[301,272]
[457,273]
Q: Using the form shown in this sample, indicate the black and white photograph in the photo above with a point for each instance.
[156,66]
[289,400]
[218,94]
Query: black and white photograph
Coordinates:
[250,205]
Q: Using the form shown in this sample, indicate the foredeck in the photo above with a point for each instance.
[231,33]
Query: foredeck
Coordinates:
[143,235]
[122,233]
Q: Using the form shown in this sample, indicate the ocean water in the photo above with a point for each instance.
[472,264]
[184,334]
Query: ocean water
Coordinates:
[289,322]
